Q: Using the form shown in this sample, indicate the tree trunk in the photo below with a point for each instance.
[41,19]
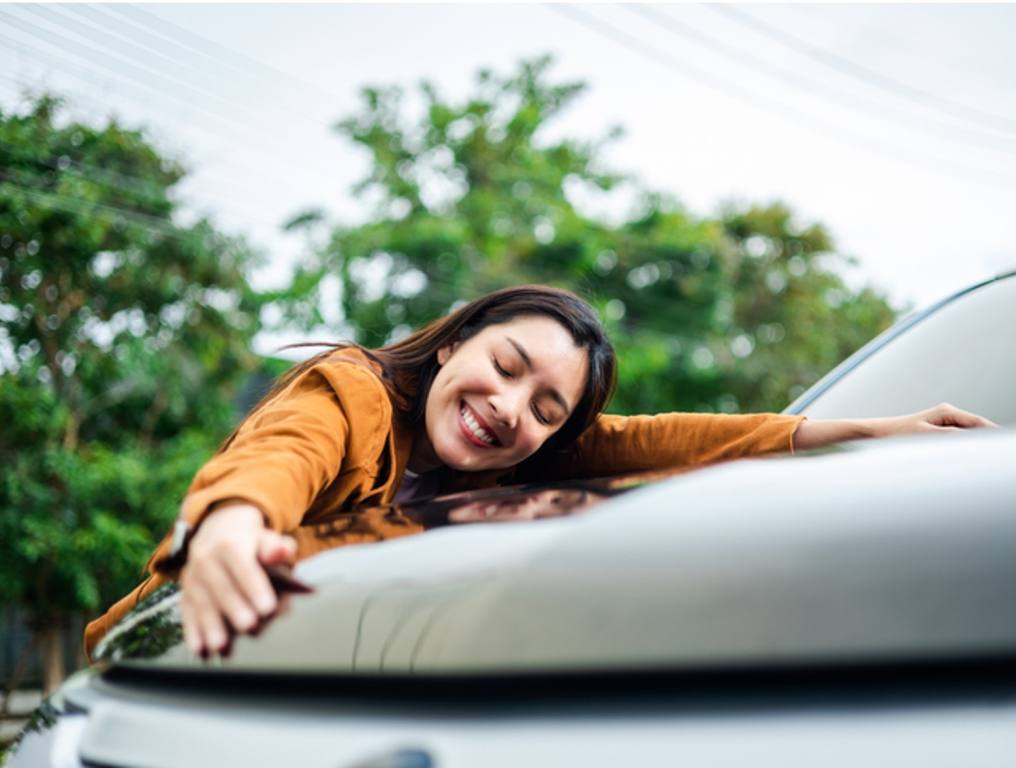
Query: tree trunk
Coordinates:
[15,679]
[51,653]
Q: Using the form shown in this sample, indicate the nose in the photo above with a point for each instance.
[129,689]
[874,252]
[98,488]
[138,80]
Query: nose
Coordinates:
[506,406]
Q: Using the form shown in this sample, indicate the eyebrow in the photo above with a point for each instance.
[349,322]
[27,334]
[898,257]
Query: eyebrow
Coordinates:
[557,396]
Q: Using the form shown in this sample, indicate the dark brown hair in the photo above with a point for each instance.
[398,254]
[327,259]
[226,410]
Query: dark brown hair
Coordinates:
[410,365]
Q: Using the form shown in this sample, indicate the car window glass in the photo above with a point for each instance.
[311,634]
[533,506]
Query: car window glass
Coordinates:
[964,354]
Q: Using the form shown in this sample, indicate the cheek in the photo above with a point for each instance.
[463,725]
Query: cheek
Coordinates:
[531,440]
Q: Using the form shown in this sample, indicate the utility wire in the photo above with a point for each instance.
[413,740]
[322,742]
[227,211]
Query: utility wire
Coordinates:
[133,54]
[112,180]
[89,53]
[924,98]
[74,205]
[82,74]
[139,186]
[100,16]
[947,130]
[787,113]
[213,50]
[120,68]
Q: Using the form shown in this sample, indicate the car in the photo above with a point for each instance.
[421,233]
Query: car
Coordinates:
[845,606]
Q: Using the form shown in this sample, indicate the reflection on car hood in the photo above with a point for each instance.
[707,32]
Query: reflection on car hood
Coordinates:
[900,550]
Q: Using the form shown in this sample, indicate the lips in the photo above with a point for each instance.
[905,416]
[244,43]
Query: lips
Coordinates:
[475,429]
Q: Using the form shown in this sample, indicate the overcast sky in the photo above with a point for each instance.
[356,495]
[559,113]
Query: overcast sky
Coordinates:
[893,125]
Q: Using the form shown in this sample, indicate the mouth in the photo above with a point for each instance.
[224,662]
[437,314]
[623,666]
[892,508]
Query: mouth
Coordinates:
[475,429]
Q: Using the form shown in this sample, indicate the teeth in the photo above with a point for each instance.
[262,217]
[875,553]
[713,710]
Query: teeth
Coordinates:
[475,428]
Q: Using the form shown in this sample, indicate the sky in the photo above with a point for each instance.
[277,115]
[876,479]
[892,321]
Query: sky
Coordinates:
[892,125]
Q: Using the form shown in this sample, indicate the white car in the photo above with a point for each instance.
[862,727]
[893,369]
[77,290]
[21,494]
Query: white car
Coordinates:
[849,606]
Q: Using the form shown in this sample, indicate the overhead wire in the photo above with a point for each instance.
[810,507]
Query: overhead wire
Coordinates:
[89,53]
[111,40]
[129,181]
[785,112]
[863,74]
[76,205]
[211,49]
[206,167]
[144,188]
[948,131]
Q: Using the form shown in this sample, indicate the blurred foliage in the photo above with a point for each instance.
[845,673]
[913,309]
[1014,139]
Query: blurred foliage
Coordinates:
[123,338]
[738,312]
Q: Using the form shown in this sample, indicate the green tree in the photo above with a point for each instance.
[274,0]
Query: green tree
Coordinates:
[735,312]
[123,337]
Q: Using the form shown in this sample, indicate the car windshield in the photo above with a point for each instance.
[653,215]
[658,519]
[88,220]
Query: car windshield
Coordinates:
[960,353]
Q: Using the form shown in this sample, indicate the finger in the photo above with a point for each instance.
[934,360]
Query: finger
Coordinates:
[250,579]
[227,596]
[214,631]
[275,549]
[946,414]
[207,619]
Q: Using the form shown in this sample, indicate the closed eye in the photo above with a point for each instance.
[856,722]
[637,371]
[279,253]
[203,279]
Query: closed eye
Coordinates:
[539,416]
[501,370]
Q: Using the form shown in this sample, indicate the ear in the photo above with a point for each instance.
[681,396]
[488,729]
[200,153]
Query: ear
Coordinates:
[445,352]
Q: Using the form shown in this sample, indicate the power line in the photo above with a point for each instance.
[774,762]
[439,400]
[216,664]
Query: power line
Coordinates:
[111,41]
[924,98]
[213,50]
[74,205]
[757,63]
[89,54]
[98,57]
[144,188]
[787,113]
[82,74]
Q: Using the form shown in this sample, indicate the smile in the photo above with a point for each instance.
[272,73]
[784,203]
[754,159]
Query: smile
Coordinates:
[473,430]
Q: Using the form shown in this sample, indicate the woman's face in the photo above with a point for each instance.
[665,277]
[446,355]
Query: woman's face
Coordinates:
[501,393]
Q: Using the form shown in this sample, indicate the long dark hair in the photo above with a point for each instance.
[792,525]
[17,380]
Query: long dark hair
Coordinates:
[410,364]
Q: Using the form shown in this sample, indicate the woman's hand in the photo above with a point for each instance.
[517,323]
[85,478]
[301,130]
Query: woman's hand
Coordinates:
[225,587]
[941,418]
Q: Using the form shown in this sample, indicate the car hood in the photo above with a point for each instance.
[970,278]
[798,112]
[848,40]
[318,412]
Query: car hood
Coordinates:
[878,551]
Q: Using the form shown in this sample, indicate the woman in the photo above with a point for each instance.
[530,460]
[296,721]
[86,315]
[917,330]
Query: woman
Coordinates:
[508,388]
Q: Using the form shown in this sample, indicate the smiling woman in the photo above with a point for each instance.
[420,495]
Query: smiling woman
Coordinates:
[508,388]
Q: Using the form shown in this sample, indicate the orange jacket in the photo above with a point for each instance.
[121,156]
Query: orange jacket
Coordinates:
[332,439]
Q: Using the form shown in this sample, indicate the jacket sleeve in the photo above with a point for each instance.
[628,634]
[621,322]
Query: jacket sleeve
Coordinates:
[290,449]
[617,444]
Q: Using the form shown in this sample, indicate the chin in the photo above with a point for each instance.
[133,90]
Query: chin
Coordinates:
[463,459]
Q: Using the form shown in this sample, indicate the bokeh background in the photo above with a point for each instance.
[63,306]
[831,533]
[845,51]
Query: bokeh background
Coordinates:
[746,193]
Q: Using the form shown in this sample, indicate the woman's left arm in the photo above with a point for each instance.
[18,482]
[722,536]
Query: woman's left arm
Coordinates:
[814,433]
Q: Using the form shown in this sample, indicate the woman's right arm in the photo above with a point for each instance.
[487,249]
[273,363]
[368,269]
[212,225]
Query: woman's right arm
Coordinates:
[248,496]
